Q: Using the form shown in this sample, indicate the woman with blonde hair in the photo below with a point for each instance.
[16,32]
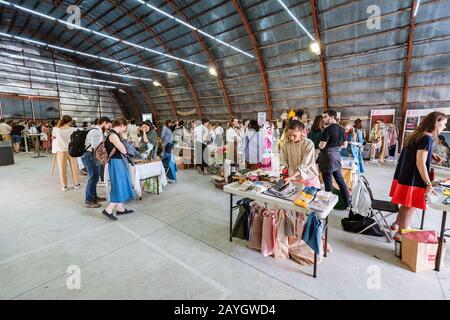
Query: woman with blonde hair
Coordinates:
[412,183]
[61,138]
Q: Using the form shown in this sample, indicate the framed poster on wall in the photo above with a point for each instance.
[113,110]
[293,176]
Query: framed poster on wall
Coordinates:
[147,117]
[387,116]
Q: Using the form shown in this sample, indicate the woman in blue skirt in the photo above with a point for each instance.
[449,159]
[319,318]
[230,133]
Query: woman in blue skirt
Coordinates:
[121,189]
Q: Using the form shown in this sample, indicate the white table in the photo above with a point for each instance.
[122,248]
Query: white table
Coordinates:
[435,202]
[233,190]
[144,171]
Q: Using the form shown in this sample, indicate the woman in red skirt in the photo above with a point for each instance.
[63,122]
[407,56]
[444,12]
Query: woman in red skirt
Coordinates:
[412,182]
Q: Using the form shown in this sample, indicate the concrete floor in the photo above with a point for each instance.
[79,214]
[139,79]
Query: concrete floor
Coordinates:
[176,247]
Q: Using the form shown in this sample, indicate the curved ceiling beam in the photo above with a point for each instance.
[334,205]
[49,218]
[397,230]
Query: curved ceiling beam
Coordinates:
[208,53]
[166,48]
[139,55]
[139,84]
[254,41]
[322,52]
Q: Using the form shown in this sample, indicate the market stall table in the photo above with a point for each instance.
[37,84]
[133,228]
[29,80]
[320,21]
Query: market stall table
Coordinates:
[233,190]
[140,172]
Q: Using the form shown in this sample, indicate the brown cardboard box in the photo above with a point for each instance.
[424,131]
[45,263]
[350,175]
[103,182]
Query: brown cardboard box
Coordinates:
[420,256]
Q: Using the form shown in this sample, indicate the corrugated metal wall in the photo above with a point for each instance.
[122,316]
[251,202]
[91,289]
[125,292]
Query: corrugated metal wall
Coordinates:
[81,102]
[364,67]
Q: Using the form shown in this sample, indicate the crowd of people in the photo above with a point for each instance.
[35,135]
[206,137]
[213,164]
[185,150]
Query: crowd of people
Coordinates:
[307,154]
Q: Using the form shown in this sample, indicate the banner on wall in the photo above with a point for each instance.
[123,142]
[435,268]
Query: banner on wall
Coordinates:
[386,115]
[413,118]
[147,117]
[262,118]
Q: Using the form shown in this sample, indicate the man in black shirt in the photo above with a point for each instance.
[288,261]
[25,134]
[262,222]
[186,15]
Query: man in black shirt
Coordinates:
[333,139]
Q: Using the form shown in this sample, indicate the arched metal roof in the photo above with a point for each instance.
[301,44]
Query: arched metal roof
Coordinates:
[361,68]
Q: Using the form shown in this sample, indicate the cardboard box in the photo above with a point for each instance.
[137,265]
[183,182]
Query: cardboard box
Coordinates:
[420,256]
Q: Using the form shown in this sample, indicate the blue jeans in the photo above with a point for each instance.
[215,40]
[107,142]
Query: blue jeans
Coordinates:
[328,181]
[93,169]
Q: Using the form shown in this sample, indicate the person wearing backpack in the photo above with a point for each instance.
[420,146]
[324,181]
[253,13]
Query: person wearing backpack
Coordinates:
[61,136]
[121,189]
[93,138]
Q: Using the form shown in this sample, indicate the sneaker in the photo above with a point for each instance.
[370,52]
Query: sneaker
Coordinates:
[394,227]
[124,212]
[64,188]
[100,199]
[92,205]
[77,186]
[109,215]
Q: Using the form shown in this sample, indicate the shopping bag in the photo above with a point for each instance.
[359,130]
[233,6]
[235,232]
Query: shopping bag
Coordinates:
[268,240]
[256,229]
[281,250]
[419,250]
[151,185]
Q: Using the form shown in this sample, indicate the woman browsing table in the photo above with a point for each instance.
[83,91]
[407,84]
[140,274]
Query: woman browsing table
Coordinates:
[121,188]
[412,182]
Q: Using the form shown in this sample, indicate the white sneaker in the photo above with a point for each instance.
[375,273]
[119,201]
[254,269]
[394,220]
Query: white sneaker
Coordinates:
[77,186]
[64,188]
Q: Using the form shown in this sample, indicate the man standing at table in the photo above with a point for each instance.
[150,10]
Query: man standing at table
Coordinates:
[93,139]
[333,139]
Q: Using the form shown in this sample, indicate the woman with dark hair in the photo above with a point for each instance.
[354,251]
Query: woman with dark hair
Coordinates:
[61,138]
[297,155]
[412,182]
[121,190]
[316,131]
[147,135]
[253,146]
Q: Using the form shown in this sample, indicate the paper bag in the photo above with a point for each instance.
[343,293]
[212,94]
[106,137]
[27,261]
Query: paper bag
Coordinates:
[420,256]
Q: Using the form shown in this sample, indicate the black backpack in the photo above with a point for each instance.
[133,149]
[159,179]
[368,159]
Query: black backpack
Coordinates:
[356,222]
[77,144]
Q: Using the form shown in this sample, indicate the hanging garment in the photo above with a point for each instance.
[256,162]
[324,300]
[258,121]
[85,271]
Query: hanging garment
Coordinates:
[256,229]
[282,247]
[301,253]
[268,238]
[313,232]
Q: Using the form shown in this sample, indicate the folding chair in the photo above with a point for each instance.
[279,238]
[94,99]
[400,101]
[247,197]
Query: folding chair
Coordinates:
[377,208]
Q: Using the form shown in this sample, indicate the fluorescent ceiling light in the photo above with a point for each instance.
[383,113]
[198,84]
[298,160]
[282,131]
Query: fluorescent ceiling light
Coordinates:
[296,20]
[73,67]
[192,27]
[156,84]
[315,47]
[63,74]
[416,8]
[86,54]
[101,34]
[213,71]
[43,79]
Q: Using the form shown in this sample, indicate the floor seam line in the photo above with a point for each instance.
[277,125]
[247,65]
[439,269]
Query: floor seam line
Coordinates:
[246,263]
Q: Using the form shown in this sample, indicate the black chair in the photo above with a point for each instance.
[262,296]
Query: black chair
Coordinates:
[380,210]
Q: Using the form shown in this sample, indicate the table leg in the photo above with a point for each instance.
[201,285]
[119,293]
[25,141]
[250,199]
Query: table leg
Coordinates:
[326,237]
[423,219]
[441,241]
[157,183]
[315,265]
[231,216]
